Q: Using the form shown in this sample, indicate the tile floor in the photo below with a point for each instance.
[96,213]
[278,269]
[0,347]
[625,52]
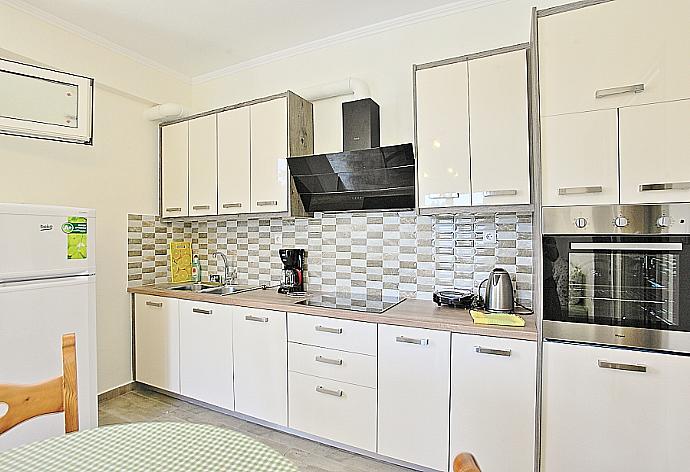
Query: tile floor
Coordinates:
[308,456]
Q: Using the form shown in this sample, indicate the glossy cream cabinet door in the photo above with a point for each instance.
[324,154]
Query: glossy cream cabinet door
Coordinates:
[612,49]
[269,150]
[579,155]
[499,133]
[443,147]
[655,152]
[234,159]
[203,165]
[493,394]
[175,169]
[414,389]
[597,417]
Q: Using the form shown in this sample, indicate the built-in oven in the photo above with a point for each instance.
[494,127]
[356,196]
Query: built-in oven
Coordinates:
[618,275]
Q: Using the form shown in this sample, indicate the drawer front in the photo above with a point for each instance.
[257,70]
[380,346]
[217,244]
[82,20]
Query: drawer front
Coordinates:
[344,335]
[359,369]
[333,410]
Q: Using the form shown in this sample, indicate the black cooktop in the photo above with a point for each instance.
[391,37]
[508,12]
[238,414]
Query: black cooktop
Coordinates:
[351,301]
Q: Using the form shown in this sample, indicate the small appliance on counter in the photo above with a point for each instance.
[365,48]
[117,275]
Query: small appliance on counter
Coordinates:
[293,270]
[499,292]
[455,298]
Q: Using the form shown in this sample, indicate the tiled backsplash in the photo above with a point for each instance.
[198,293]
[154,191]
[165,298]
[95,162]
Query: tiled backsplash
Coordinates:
[376,253]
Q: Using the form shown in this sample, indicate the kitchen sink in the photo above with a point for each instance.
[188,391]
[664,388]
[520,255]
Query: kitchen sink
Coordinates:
[214,289]
[195,287]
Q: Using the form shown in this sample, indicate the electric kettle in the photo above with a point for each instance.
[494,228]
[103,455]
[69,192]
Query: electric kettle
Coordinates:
[499,292]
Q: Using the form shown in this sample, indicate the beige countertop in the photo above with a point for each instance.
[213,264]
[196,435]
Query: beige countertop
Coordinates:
[411,312]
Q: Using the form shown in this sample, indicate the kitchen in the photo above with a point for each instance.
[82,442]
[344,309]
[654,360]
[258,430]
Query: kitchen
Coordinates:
[471,203]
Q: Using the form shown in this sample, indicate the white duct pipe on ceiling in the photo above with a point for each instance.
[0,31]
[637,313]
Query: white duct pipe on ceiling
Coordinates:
[350,86]
[164,112]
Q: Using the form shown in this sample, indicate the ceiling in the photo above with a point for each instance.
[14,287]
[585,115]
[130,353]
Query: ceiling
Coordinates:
[198,37]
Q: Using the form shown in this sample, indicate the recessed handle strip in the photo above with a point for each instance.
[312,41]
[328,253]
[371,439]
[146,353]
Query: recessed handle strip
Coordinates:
[618,366]
[259,319]
[626,246]
[607,92]
[202,312]
[173,210]
[665,186]
[326,329]
[500,193]
[442,196]
[201,207]
[267,203]
[232,205]
[493,352]
[335,393]
[580,190]
[326,360]
[155,304]
[405,339]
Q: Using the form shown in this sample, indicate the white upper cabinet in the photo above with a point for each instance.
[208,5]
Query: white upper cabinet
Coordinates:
[203,175]
[175,169]
[443,146]
[579,155]
[234,161]
[655,152]
[269,150]
[499,132]
[614,54]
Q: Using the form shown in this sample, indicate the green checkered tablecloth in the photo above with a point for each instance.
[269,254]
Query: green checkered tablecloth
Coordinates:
[169,447]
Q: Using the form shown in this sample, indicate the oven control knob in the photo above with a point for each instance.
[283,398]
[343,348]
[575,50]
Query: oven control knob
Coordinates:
[621,222]
[663,222]
[580,222]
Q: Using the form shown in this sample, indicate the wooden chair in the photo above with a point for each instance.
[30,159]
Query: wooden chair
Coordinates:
[53,396]
[465,463]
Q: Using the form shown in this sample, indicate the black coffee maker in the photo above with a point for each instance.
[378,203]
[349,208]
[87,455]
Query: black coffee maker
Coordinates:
[293,270]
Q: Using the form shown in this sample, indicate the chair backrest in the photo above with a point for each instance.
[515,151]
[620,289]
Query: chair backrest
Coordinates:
[465,463]
[53,396]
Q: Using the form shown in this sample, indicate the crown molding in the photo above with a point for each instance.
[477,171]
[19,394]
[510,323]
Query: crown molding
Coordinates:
[376,28]
[94,38]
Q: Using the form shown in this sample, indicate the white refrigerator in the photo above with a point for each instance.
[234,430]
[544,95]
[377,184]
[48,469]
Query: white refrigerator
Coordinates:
[47,289]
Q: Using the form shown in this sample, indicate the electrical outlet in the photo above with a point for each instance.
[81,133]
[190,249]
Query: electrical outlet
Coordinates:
[278,239]
[490,236]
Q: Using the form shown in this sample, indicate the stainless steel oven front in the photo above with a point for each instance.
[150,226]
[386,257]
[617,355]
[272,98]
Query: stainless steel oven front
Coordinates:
[618,275]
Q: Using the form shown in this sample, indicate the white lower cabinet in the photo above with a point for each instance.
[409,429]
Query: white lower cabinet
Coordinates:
[206,366]
[492,410]
[260,356]
[157,342]
[414,390]
[614,410]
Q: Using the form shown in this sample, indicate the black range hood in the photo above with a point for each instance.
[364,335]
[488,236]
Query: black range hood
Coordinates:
[375,178]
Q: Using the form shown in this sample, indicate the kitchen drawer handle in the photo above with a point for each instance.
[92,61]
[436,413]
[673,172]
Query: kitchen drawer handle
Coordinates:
[326,360]
[494,352]
[326,329]
[201,207]
[602,93]
[335,393]
[267,203]
[232,205]
[443,196]
[202,312]
[580,190]
[500,193]
[173,210]
[259,319]
[665,186]
[405,339]
[617,366]
[155,304]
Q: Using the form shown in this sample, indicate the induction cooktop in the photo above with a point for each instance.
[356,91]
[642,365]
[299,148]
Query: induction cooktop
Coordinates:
[351,301]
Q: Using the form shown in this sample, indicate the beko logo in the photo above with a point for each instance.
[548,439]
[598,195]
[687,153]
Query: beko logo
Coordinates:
[46,227]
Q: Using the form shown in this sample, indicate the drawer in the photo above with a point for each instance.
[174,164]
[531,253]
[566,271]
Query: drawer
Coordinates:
[342,366]
[344,335]
[338,411]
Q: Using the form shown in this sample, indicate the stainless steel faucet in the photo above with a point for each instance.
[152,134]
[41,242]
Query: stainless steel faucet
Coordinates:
[230,274]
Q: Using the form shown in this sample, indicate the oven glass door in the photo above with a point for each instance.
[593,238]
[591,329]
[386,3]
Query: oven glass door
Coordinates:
[631,281]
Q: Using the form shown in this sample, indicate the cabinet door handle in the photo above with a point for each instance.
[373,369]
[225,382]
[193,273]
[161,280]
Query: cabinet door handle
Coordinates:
[259,319]
[494,352]
[443,196]
[173,210]
[267,203]
[607,92]
[618,366]
[201,207]
[335,393]
[326,360]
[580,190]
[232,205]
[405,339]
[500,193]
[155,304]
[665,186]
[326,329]
[202,312]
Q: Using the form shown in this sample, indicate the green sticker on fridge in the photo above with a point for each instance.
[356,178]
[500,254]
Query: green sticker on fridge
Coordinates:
[76,232]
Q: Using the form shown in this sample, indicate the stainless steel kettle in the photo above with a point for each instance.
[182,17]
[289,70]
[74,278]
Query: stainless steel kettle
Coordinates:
[499,292]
